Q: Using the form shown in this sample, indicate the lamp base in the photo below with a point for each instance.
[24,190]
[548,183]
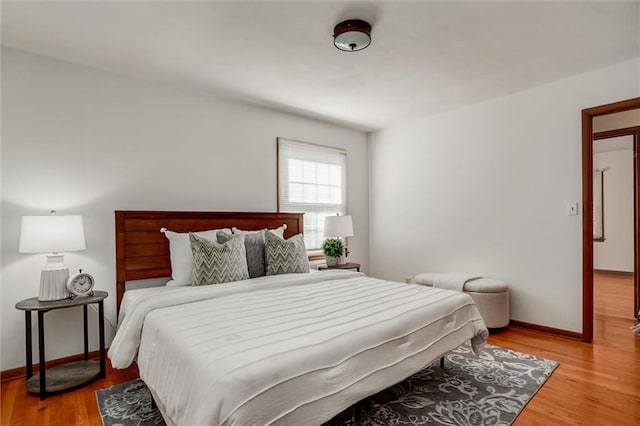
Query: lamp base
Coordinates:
[53,279]
[343,259]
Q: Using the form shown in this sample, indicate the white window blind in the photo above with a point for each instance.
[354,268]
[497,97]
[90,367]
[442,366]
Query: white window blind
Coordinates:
[311,179]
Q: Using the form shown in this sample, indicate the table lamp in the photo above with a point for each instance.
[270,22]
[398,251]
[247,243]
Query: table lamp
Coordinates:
[54,235]
[339,227]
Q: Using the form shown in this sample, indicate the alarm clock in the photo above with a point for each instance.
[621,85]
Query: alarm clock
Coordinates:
[80,284]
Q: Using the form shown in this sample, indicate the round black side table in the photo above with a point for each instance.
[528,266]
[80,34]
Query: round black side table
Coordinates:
[71,374]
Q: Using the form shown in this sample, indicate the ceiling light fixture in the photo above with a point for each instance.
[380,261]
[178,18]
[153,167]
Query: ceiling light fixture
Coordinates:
[352,35]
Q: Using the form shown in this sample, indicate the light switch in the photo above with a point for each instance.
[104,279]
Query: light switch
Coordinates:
[572,209]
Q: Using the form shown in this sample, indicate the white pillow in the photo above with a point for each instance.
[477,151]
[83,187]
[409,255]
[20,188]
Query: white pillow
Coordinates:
[181,256]
[278,231]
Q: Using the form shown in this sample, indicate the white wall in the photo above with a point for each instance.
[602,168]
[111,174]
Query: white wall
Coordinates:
[619,120]
[484,189]
[615,253]
[88,142]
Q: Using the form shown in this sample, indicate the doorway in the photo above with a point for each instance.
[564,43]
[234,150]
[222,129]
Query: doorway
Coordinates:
[588,208]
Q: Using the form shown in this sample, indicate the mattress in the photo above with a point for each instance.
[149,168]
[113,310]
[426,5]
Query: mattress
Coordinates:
[290,349]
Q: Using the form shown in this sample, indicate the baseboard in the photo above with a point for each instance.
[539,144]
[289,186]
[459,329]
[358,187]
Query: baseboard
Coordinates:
[616,273]
[547,330]
[21,372]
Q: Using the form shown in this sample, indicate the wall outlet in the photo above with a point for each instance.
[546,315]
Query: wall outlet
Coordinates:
[572,208]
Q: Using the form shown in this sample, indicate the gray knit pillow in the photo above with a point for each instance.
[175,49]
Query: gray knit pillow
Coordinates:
[215,263]
[254,247]
[285,256]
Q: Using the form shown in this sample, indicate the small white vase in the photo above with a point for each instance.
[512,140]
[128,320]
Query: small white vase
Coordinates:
[332,261]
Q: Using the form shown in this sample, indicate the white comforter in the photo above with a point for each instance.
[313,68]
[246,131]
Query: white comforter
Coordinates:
[291,349]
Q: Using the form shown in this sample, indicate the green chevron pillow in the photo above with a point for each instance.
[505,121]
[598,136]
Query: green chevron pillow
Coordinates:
[215,263]
[253,246]
[285,256]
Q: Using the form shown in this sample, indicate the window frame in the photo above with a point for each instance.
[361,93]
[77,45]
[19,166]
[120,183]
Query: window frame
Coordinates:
[313,253]
[598,205]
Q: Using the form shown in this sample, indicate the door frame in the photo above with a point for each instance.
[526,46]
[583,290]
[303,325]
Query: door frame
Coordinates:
[587,210]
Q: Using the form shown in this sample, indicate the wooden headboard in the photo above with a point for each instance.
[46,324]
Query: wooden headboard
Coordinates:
[142,251]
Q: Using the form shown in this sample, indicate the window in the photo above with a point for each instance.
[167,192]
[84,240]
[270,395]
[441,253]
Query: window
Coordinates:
[598,205]
[311,179]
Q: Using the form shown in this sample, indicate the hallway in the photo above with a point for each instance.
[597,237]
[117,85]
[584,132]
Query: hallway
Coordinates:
[613,310]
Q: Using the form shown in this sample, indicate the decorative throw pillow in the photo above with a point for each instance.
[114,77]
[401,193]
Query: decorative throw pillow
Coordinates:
[215,263]
[279,231]
[254,247]
[181,256]
[285,256]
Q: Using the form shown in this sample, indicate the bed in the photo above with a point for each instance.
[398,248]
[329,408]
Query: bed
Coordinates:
[283,349]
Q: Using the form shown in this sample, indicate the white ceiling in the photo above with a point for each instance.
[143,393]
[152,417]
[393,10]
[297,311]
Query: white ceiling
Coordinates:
[425,58]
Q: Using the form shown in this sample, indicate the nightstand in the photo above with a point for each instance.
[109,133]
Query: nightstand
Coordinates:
[348,265]
[71,374]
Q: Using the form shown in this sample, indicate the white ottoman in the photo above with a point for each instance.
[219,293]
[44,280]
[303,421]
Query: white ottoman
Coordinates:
[491,297]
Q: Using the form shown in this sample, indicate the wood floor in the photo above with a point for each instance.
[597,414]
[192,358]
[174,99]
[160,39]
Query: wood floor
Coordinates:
[595,384]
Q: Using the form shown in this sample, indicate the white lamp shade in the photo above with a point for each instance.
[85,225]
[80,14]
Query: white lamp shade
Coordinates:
[51,234]
[338,226]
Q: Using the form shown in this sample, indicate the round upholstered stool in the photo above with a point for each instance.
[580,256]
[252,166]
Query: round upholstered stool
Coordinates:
[491,297]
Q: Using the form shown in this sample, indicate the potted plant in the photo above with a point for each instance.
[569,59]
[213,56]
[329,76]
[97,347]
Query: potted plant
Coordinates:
[333,250]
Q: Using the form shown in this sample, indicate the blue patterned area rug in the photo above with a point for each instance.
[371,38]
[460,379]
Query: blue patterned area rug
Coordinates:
[488,390]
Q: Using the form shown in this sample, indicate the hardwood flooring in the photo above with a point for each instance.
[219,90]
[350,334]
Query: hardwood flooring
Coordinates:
[595,384]
[73,407]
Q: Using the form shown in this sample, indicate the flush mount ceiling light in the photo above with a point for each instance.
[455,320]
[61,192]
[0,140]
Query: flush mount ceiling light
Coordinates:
[352,35]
